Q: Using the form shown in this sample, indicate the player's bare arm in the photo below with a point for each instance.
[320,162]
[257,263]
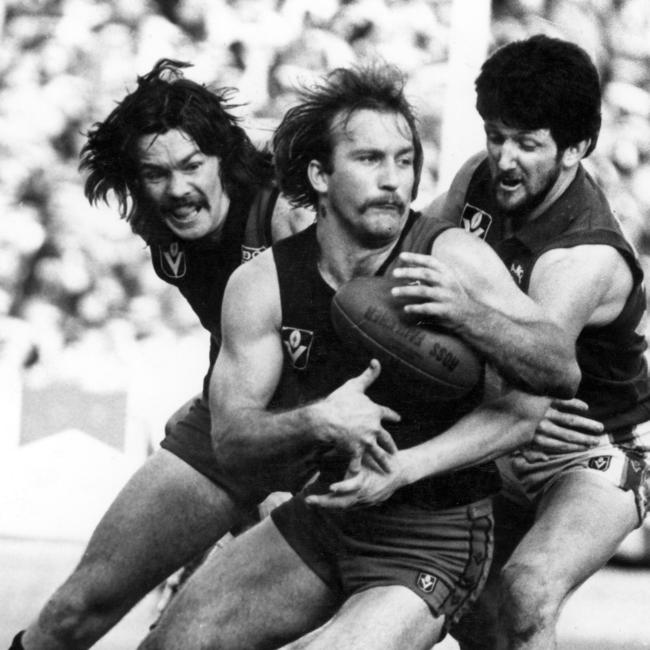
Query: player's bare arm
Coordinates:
[495,428]
[581,286]
[249,438]
[578,287]
[565,428]
[466,288]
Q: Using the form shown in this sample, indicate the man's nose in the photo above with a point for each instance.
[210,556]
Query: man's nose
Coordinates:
[507,156]
[178,185]
[389,175]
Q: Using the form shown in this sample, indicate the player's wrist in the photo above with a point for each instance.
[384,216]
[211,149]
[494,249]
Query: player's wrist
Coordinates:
[316,424]
[409,466]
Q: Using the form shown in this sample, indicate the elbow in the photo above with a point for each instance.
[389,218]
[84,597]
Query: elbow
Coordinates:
[225,447]
[523,431]
[522,412]
[520,432]
[566,381]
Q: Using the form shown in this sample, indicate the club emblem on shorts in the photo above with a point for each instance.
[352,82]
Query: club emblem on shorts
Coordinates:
[172,260]
[601,463]
[298,344]
[475,221]
[249,252]
[426,582]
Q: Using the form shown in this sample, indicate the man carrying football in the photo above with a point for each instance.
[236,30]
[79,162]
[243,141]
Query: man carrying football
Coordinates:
[290,401]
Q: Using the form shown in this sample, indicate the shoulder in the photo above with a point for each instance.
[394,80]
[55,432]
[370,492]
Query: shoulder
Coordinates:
[288,220]
[449,206]
[251,306]
[466,171]
[256,269]
[472,258]
[253,283]
[456,244]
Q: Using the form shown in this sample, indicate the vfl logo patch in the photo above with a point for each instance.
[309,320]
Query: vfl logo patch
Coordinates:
[172,261]
[517,272]
[475,221]
[298,344]
[426,582]
[601,463]
[248,252]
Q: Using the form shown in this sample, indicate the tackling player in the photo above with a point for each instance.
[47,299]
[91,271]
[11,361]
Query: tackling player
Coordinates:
[192,185]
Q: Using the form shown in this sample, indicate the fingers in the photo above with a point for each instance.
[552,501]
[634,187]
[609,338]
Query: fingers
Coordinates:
[390,415]
[407,259]
[379,456]
[367,377]
[574,404]
[386,442]
[329,500]
[347,486]
[569,441]
[342,494]
[560,421]
[556,430]
[354,466]
[530,455]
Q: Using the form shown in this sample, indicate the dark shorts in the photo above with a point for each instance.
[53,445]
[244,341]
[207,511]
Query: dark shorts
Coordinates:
[443,556]
[187,435]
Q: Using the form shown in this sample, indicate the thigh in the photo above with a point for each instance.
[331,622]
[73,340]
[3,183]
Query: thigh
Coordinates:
[580,522]
[256,593]
[165,515]
[382,618]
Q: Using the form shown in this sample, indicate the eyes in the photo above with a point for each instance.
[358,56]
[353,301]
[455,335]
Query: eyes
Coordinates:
[155,174]
[373,157]
[523,142]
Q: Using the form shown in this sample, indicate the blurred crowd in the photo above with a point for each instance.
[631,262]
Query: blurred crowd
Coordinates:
[76,283]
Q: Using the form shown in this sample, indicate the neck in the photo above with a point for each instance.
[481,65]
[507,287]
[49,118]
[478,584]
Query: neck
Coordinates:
[341,258]
[559,187]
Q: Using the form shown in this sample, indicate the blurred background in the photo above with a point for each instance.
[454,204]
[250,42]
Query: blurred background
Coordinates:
[96,352]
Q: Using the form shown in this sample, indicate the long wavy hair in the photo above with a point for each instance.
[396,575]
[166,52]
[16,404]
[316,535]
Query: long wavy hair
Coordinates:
[163,100]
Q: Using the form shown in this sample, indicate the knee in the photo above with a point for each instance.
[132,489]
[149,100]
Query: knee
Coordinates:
[529,600]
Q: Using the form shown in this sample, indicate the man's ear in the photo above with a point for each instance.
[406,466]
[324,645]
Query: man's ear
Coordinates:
[318,178]
[574,153]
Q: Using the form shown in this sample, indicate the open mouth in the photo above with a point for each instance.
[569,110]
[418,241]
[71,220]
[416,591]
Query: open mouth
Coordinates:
[183,213]
[508,183]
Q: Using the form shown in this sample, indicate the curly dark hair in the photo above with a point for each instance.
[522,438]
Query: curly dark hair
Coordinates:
[164,99]
[305,133]
[542,83]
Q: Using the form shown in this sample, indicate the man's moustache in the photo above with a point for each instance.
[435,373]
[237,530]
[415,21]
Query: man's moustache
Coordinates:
[378,203]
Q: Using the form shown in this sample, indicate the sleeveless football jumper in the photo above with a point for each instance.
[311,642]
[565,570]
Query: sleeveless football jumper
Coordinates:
[411,538]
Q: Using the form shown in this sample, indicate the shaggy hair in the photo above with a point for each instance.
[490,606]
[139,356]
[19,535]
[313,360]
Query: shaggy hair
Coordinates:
[163,100]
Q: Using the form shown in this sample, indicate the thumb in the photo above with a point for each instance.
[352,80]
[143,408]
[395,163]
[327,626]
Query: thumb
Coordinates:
[368,376]
[354,466]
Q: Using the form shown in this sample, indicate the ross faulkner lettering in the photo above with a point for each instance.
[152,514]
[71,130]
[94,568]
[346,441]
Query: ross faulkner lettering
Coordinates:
[383,319]
[445,357]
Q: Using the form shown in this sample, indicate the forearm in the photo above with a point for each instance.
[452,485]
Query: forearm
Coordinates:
[490,431]
[251,440]
[534,355]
